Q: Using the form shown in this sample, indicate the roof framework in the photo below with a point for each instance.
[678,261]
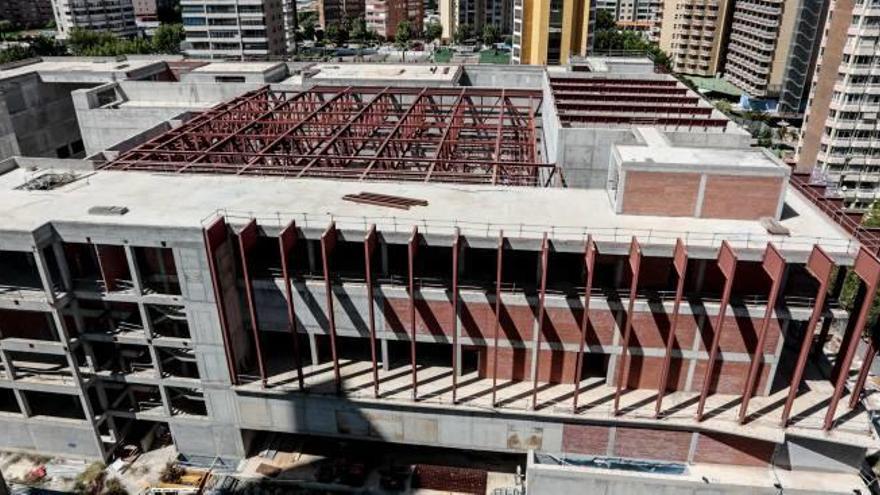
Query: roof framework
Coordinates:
[460,135]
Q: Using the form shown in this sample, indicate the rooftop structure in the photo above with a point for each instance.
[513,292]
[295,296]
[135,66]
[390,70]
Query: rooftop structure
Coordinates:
[363,262]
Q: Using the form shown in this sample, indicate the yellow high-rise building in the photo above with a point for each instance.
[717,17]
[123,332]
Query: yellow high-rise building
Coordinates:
[547,32]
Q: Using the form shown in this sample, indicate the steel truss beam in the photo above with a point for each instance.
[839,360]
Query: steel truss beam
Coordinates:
[459,135]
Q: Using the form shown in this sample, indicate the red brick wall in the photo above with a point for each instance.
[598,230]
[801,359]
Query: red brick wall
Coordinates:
[740,334]
[513,364]
[729,377]
[585,439]
[744,198]
[645,371]
[645,443]
[478,320]
[432,317]
[660,193]
[718,448]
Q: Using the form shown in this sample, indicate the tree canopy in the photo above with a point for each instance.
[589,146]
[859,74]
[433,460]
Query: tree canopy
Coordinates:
[433,30]
[463,33]
[83,42]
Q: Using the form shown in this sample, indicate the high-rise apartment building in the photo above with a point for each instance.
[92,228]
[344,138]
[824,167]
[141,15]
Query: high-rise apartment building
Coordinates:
[839,138]
[333,11]
[26,13]
[245,30]
[384,16]
[771,45]
[476,13]
[550,31]
[693,33]
[115,16]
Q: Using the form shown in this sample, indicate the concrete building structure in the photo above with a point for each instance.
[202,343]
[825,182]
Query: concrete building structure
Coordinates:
[383,16]
[244,30]
[476,13]
[694,34]
[771,47]
[115,16]
[37,116]
[838,141]
[548,32]
[27,13]
[431,264]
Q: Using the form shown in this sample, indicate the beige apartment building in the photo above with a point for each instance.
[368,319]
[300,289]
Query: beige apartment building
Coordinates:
[549,32]
[693,34]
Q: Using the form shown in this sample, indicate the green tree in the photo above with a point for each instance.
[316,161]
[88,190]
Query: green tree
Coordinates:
[605,21]
[338,33]
[852,282]
[5,27]
[307,26]
[723,106]
[463,33]
[491,35]
[81,41]
[433,30]
[402,37]
[359,31]
[167,38]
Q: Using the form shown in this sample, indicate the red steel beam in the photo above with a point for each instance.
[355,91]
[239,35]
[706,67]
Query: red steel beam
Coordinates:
[215,235]
[412,251]
[328,244]
[286,244]
[247,239]
[774,266]
[635,262]
[867,268]
[498,265]
[821,267]
[590,265]
[679,262]
[545,255]
[727,264]
[870,353]
[370,244]
[456,248]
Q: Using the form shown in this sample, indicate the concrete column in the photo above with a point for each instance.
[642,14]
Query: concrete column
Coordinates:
[383,252]
[7,365]
[22,403]
[384,348]
[313,348]
[63,269]
[166,402]
[310,250]
[133,269]
[45,275]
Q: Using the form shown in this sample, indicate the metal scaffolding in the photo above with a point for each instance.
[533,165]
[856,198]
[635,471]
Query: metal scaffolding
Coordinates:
[459,135]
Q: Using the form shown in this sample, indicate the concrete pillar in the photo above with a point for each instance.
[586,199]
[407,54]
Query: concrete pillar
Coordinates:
[313,348]
[384,348]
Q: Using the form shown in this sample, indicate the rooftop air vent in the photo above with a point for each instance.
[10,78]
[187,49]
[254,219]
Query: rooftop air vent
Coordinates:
[108,210]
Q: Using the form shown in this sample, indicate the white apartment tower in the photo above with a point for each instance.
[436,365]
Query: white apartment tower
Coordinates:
[239,30]
[840,139]
[115,16]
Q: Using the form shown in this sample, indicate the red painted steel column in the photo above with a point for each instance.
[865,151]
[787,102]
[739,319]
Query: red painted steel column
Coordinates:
[370,242]
[821,267]
[774,266]
[635,262]
[727,264]
[328,243]
[286,243]
[215,235]
[247,239]
[498,265]
[412,251]
[870,353]
[590,264]
[455,253]
[867,267]
[679,262]
[545,255]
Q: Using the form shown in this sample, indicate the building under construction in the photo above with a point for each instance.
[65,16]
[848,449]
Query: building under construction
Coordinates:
[587,265]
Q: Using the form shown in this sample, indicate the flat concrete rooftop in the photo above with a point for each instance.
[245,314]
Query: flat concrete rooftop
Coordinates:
[228,67]
[72,67]
[410,72]
[565,214]
[658,150]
